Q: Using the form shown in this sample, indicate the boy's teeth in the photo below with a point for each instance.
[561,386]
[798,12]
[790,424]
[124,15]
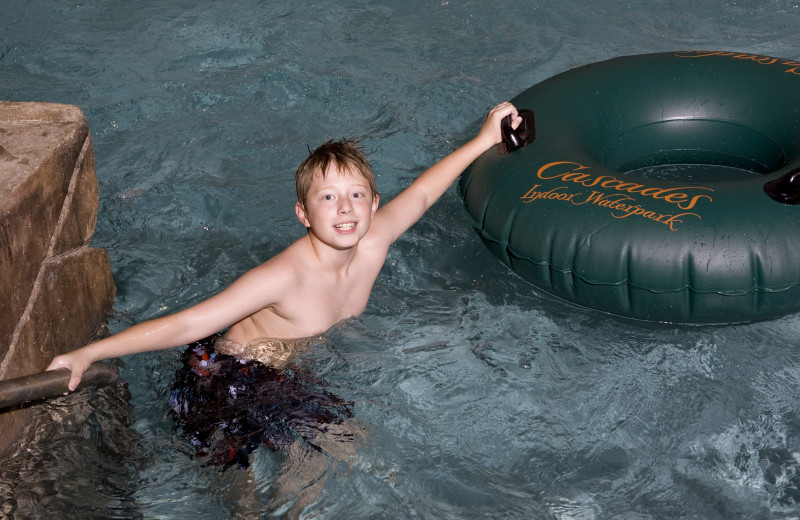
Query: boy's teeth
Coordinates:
[345,227]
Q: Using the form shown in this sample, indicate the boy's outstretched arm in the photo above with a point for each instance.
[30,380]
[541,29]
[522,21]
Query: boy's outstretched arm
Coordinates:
[399,214]
[243,297]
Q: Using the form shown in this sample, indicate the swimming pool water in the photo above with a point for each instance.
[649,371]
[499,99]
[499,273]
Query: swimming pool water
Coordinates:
[482,397]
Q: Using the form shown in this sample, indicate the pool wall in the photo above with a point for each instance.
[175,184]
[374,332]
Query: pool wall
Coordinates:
[55,288]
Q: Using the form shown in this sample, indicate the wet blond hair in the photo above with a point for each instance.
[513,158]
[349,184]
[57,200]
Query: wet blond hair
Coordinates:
[346,155]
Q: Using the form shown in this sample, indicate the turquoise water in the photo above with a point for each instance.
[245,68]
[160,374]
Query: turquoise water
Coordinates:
[482,397]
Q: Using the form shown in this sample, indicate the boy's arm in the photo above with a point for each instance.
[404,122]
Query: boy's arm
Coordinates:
[248,294]
[399,214]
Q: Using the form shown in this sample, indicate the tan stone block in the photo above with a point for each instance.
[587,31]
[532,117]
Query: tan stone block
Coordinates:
[46,159]
[54,290]
[67,305]
[79,214]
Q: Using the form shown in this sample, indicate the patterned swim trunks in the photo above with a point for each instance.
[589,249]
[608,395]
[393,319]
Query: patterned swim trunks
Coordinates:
[226,406]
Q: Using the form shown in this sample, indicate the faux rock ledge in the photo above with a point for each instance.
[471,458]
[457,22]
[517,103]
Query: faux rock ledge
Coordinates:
[54,288]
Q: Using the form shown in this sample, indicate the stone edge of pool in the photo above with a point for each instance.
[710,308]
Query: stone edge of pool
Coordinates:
[55,288]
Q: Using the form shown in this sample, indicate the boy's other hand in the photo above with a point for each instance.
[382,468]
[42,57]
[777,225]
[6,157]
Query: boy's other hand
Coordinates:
[491,130]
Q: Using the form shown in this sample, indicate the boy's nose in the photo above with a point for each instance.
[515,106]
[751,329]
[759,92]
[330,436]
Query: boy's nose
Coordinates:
[345,206]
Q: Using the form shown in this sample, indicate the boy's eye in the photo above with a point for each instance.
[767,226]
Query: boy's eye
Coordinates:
[327,197]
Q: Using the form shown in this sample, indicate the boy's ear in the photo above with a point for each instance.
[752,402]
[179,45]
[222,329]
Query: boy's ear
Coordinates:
[375,202]
[301,214]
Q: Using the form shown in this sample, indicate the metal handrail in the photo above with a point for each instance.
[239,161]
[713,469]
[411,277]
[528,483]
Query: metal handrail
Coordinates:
[52,383]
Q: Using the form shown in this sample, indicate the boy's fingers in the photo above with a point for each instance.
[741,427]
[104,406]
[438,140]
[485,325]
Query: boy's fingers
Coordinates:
[507,109]
[74,381]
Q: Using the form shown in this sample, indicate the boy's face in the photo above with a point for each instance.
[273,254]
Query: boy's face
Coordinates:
[339,208]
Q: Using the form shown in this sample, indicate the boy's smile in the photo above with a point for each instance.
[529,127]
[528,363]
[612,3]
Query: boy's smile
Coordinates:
[339,208]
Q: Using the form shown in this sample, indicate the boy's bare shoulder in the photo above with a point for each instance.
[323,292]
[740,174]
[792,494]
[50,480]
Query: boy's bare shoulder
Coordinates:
[289,258]
[288,264]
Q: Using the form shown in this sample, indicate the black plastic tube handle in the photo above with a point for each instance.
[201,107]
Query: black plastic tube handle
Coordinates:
[52,383]
[511,139]
[786,189]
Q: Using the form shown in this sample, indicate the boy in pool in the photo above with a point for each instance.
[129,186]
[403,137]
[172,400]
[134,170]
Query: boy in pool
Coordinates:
[231,393]
[321,279]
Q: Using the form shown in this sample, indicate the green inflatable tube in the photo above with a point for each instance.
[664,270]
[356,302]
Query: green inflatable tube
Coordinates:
[576,213]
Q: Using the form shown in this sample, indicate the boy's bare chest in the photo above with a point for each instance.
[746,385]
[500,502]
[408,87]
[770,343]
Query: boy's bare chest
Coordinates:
[310,310]
[319,302]
[341,298]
